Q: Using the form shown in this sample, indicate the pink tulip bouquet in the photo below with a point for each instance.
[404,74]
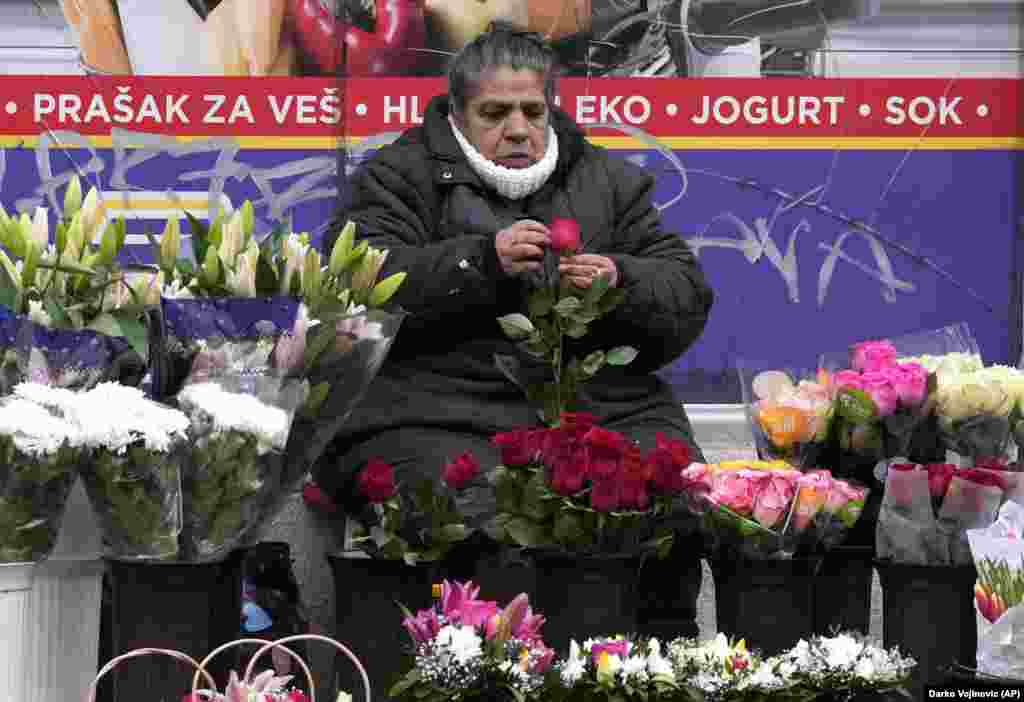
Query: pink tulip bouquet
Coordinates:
[465,648]
[768,510]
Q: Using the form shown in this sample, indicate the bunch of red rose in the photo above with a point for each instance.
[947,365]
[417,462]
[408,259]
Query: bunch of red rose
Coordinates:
[927,510]
[578,455]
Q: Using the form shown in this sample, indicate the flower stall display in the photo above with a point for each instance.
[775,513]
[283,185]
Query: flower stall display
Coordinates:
[61,280]
[998,552]
[39,457]
[614,668]
[465,648]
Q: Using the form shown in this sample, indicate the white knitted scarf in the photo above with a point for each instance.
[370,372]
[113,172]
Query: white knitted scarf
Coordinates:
[512,183]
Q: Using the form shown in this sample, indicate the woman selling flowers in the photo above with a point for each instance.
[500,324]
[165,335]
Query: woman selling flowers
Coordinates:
[465,204]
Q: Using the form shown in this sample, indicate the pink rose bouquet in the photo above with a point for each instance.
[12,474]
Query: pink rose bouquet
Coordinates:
[766,511]
[472,649]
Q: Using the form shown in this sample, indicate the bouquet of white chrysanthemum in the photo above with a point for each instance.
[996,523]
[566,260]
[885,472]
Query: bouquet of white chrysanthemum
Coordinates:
[131,466]
[843,664]
[39,457]
[612,668]
[239,428]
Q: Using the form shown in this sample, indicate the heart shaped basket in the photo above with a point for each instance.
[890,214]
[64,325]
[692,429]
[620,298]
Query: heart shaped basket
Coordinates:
[267,682]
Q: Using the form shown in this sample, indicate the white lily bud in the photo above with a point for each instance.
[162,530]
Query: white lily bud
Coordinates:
[92,214]
[368,269]
[170,244]
[72,197]
[41,228]
[243,280]
[231,239]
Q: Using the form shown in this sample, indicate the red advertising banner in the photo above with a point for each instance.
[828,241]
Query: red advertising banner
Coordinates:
[680,113]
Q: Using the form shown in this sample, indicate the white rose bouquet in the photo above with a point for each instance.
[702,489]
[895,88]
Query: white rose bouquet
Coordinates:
[843,664]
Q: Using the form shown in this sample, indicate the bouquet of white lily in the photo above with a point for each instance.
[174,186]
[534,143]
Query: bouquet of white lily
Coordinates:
[39,458]
[132,465]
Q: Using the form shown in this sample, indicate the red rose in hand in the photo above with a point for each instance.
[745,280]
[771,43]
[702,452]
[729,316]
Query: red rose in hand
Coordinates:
[565,235]
[458,473]
[377,480]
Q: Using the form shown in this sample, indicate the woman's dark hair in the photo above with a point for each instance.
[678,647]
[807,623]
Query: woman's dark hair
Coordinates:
[502,45]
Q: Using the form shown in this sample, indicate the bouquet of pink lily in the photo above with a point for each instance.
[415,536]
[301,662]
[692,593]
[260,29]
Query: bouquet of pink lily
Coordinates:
[470,649]
[765,509]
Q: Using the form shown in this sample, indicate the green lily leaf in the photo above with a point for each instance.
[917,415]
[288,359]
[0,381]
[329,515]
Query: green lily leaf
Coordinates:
[133,329]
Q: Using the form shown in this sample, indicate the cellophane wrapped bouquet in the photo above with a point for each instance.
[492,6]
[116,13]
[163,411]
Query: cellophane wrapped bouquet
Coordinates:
[928,510]
[132,469]
[788,410]
[465,648]
[338,338]
[40,453]
[998,553]
[240,408]
[767,509]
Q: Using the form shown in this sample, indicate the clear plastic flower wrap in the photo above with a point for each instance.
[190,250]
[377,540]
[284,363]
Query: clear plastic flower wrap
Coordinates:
[240,408]
[39,458]
[788,409]
[927,511]
[768,510]
[132,469]
[76,359]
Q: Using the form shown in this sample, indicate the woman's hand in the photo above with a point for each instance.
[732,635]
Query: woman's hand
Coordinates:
[520,246]
[583,269]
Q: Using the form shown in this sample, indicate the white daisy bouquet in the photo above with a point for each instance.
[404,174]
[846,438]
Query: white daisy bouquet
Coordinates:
[39,457]
[131,468]
[471,650]
[846,665]
[613,668]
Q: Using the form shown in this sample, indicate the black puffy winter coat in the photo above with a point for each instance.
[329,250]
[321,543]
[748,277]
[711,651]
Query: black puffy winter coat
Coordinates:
[439,392]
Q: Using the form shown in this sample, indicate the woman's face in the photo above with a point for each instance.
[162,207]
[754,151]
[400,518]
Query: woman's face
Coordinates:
[506,119]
